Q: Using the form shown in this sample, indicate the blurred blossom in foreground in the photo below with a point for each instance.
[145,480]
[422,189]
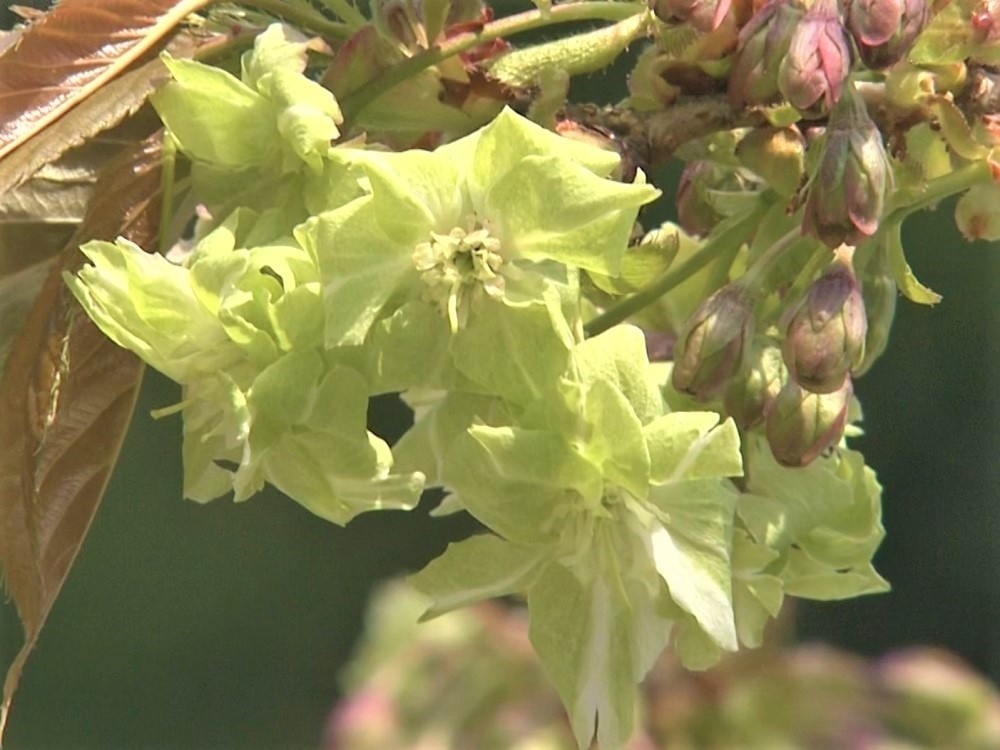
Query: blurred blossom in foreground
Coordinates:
[469,680]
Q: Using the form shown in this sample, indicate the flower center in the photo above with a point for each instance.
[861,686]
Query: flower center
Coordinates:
[454,265]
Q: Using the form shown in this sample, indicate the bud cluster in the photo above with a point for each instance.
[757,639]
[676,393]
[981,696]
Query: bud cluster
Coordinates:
[804,55]
[794,380]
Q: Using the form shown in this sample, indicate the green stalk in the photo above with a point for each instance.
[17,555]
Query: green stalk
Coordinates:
[715,247]
[595,10]
[168,172]
[944,187]
[303,17]
[346,12]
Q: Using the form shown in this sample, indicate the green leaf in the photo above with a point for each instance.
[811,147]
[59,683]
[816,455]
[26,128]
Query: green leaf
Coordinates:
[481,567]
[691,547]
[908,284]
[951,38]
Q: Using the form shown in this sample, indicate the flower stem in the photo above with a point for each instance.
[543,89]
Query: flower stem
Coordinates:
[717,245]
[303,17]
[944,187]
[592,10]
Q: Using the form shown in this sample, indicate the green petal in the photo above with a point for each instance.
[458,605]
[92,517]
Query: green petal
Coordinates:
[693,445]
[618,357]
[214,117]
[360,266]
[415,192]
[616,442]
[510,138]
[551,208]
[520,483]
[478,568]
[146,304]
[517,353]
[691,547]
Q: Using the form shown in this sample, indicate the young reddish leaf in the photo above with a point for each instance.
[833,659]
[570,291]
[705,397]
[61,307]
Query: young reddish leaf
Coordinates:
[115,101]
[72,52]
[66,397]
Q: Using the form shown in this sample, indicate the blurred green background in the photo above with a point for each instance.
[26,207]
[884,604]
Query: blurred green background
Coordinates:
[224,626]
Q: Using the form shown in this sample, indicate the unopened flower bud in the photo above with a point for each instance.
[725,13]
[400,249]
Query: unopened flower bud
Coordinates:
[698,189]
[801,425]
[749,396]
[825,337]
[880,295]
[813,72]
[847,193]
[713,342]
[776,154]
[704,15]
[763,44]
[886,29]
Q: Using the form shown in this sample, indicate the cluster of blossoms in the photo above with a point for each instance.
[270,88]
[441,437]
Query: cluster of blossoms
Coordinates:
[628,516]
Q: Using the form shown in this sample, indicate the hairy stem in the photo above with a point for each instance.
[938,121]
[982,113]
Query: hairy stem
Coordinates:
[595,10]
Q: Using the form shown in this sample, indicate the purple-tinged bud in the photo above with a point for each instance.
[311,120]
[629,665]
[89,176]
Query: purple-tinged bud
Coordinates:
[776,154]
[750,395]
[825,336]
[704,15]
[713,342]
[847,193]
[801,425]
[700,181]
[813,72]
[886,29]
[880,294]
[763,44]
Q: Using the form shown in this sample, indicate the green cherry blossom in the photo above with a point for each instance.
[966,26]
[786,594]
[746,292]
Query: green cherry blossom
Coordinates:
[482,219]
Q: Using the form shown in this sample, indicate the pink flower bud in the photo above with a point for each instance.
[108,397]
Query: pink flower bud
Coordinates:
[801,425]
[763,44]
[825,337]
[847,193]
[886,29]
[704,15]
[711,346]
[813,72]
